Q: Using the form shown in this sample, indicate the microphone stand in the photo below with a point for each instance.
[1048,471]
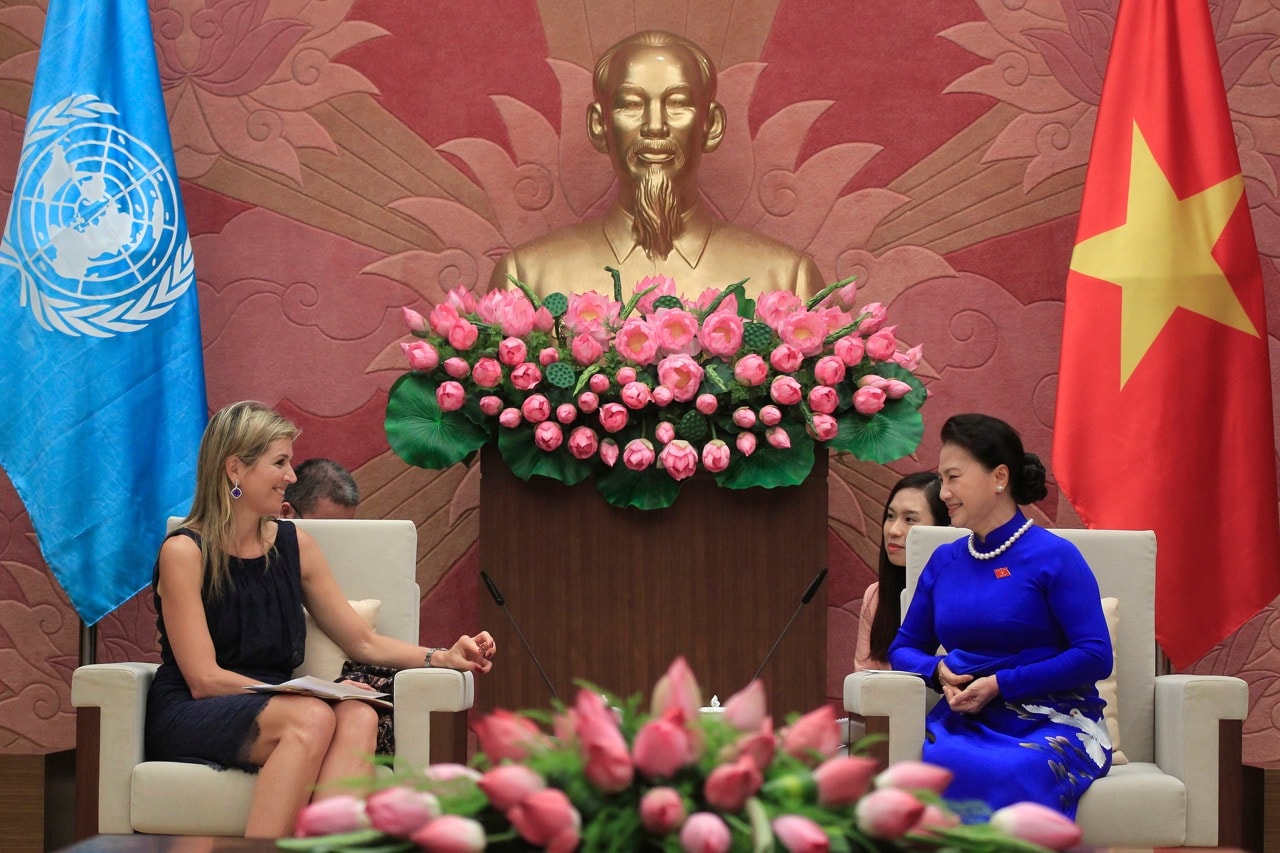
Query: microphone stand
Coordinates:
[502,602]
[804,599]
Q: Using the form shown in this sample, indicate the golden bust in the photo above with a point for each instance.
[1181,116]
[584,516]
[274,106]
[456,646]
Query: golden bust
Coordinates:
[655,115]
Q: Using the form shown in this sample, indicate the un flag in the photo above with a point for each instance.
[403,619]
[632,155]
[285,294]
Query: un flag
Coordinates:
[102,399]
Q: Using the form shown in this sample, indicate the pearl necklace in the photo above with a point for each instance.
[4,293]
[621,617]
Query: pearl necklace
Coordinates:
[978,555]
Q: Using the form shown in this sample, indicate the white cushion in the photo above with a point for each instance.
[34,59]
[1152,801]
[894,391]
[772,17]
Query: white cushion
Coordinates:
[1107,687]
[324,657]
[1134,805]
[162,792]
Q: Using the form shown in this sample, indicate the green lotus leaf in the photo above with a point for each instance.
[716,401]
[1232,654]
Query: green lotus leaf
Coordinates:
[651,488]
[770,467]
[525,459]
[893,433]
[423,434]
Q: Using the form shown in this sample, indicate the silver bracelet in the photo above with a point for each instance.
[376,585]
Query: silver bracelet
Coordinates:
[427,662]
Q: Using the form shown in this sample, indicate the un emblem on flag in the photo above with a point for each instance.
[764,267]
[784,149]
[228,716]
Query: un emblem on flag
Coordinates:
[94,227]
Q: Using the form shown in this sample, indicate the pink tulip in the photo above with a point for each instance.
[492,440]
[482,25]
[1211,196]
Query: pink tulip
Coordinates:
[487,372]
[535,408]
[583,442]
[677,688]
[815,732]
[729,785]
[586,350]
[457,367]
[510,418]
[548,436]
[915,775]
[777,437]
[512,351]
[598,383]
[664,432]
[526,376]
[450,396]
[706,404]
[786,358]
[638,454]
[770,415]
[609,452]
[451,834]
[662,395]
[829,370]
[442,318]
[677,331]
[607,761]
[750,370]
[824,427]
[721,335]
[785,390]
[883,344]
[759,747]
[1037,824]
[715,456]
[636,341]
[447,771]
[508,784]
[682,374]
[463,334]
[804,330]
[705,832]
[843,779]
[613,416]
[415,321]
[934,817]
[745,710]
[663,745]
[887,813]
[867,401]
[566,413]
[875,316]
[800,835]
[588,402]
[680,459]
[401,811]
[823,399]
[548,355]
[661,810]
[911,358]
[896,389]
[635,395]
[744,417]
[490,404]
[776,305]
[421,355]
[850,349]
[746,443]
[543,816]
[503,735]
[341,813]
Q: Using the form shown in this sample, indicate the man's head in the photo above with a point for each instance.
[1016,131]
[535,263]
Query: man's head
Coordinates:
[655,114]
[324,489]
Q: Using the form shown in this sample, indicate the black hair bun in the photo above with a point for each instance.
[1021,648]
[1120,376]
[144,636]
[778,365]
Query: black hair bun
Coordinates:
[1031,485]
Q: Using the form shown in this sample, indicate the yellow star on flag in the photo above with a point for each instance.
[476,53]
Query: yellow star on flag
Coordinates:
[1162,256]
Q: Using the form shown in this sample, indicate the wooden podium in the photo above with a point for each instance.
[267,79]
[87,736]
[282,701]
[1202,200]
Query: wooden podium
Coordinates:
[612,596]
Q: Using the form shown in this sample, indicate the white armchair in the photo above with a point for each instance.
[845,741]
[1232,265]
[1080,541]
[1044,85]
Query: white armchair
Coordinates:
[370,559]
[1167,795]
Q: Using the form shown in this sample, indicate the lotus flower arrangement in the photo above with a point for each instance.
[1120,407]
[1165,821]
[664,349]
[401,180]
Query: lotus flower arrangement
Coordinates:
[645,393]
[599,775]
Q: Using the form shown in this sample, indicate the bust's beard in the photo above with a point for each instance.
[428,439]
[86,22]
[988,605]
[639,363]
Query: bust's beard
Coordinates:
[658,221]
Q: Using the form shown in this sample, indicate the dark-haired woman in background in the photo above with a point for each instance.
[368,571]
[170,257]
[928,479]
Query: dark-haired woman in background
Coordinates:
[913,500]
[1018,611]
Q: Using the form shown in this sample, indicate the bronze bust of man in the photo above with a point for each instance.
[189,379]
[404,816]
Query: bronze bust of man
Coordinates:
[655,115]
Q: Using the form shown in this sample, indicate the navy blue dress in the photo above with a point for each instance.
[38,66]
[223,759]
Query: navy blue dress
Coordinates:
[258,630]
[1033,618]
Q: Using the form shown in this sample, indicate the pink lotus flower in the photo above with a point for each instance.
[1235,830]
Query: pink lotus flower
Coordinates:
[729,785]
[506,736]
[750,370]
[661,810]
[535,408]
[896,389]
[804,330]
[583,442]
[868,400]
[829,370]
[421,355]
[586,350]
[508,784]
[591,313]
[706,404]
[850,349]
[401,811]
[663,285]
[770,415]
[915,775]
[662,395]
[638,454]
[785,390]
[664,432]
[677,688]
[607,761]
[873,380]
[545,818]
[705,832]
[824,399]
[744,417]
[887,813]
[635,395]
[566,413]
[451,834]
[843,779]
[800,835]
[745,710]
[721,335]
[911,358]
[450,396]
[677,331]
[588,402]
[510,418]
[1037,824]
[598,383]
[516,316]
[613,416]
[512,351]
[457,367]
[625,375]
[883,345]
[548,436]
[442,318]
[415,321]
[746,443]
[777,437]
[875,316]
[341,813]
[543,321]
[815,732]
[636,341]
[463,334]
[526,376]
[824,427]
[548,355]
[490,404]
[786,358]
[487,372]
[608,452]
[680,458]
[682,374]
[463,300]
[715,456]
[776,305]
[664,745]
[728,305]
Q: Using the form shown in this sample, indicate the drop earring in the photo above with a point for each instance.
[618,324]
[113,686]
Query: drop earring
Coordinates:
[236,492]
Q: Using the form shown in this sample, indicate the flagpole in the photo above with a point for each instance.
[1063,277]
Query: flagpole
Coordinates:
[88,644]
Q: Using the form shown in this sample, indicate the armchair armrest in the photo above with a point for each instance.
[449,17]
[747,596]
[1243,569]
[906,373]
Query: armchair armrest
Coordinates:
[418,693]
[120,691]
[899,696]
[1188,711]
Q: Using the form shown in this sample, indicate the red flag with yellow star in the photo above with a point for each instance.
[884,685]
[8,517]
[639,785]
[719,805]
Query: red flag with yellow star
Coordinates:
[1164,394]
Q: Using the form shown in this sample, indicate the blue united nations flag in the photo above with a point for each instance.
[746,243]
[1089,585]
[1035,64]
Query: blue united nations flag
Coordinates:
[102,398]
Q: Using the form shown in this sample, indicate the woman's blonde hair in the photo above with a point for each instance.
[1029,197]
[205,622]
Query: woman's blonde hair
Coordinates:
[242,430]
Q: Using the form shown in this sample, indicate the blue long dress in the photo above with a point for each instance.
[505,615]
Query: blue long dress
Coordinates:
[1033,618]
[258,630]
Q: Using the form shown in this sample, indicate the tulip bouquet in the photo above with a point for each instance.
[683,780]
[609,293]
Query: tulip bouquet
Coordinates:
[644,393]
[601,776]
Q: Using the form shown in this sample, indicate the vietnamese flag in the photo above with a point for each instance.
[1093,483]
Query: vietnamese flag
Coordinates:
[1164,414]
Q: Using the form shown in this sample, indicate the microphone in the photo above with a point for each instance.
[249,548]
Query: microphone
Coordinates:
[804,599]
[502,602]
